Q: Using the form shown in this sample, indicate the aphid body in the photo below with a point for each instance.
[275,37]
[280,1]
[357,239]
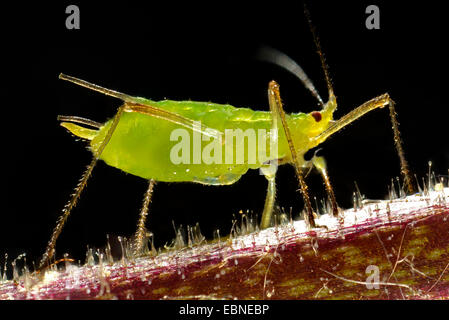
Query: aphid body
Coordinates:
[141,143]
[138,140]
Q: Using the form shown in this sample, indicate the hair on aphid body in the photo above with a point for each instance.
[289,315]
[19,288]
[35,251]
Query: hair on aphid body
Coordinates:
[294,134]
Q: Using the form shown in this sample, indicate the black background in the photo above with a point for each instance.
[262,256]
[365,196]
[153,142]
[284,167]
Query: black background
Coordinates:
[205,53]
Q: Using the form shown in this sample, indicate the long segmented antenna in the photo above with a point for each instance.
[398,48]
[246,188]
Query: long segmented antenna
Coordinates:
[320,52]
[278,58]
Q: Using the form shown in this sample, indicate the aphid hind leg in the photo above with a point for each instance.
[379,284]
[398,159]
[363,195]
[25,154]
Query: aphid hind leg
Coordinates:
[277,110]
[140,236]
[50,250]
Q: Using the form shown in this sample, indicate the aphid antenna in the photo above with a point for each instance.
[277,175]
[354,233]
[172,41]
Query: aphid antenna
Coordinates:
[378,102]
[324,65]
[276,57]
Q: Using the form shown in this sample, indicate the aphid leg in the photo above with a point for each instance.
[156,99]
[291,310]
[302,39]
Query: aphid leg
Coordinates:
[134,104]
[378,102]
[270,198]
[140,236]
[269,172]
[320,164]
[50,250]
[405,172]
[94,87]
[274,99]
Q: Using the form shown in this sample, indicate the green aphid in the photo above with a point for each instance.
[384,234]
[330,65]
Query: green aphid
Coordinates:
[141,143]
[137,141]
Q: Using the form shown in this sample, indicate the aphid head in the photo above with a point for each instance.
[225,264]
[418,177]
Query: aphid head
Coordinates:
[329,108]
[320,120]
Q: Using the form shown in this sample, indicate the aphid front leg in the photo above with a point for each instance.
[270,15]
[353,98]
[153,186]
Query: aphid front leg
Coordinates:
[378,102]
[277,111]
[140,236]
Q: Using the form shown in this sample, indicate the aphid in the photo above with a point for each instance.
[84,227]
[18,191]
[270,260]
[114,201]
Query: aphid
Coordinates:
[137,141]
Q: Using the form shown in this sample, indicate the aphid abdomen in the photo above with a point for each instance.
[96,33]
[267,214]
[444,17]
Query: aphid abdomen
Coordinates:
[141,145]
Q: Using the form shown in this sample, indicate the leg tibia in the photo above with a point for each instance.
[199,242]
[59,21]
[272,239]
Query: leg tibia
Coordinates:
[320,164]
[140,236]
[269,202]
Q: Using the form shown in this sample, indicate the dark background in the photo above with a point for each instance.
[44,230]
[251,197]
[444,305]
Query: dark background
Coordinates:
[205,53]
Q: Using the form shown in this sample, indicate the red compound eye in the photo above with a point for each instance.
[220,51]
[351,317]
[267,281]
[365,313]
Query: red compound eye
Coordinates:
[317,116]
